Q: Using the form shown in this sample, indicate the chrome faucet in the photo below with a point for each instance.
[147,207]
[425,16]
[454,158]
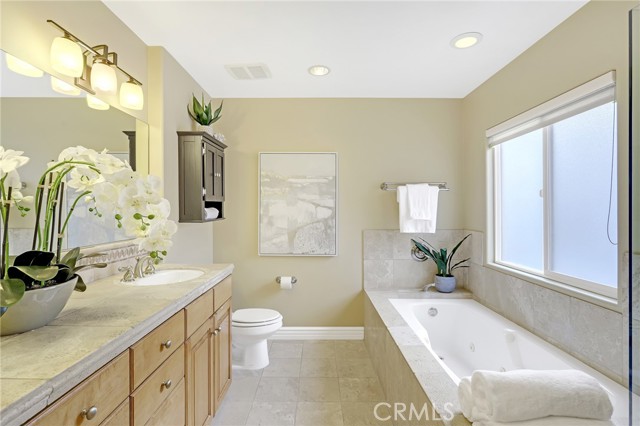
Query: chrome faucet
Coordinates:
[144,266]
[128,274]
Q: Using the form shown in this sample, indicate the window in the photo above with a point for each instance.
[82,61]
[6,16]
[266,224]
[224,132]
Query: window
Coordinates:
[554,209]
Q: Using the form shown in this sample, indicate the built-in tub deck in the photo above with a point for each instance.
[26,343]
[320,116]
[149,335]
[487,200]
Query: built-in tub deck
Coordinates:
[422,353]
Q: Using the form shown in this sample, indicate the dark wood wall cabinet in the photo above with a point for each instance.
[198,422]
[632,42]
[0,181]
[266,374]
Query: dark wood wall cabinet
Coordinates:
[201,170]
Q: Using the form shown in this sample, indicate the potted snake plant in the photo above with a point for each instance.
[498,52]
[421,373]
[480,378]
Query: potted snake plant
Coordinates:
[203,114]
[444,280]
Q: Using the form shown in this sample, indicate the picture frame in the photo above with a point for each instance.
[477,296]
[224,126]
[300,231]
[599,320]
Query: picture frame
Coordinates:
[298,204]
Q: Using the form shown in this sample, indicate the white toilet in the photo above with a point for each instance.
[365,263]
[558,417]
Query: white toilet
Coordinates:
[250,329]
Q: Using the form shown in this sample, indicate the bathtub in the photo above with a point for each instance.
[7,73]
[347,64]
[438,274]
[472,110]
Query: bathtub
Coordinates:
[464,336]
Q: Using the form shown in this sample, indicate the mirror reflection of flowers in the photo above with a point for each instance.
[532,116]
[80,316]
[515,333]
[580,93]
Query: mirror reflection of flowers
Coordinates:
[109,187]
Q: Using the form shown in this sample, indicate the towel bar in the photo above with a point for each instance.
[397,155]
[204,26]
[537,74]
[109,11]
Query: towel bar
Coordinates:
[392,186]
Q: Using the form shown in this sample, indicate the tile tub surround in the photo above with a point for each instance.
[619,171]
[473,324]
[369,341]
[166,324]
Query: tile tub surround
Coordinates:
[40,366]
[388,264]
[591,333]
[407,370]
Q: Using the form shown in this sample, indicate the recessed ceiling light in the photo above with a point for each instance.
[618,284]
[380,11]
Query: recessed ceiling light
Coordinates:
[466,40]
[319,70]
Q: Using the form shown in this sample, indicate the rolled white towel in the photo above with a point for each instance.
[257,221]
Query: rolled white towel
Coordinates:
[211,213]
[531,394]
[549,421]
[465,397]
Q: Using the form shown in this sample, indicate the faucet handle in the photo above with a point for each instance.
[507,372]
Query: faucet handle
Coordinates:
[150,269]
[128,274]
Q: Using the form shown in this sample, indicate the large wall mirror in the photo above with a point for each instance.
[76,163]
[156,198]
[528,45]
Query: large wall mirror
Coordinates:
[42,122]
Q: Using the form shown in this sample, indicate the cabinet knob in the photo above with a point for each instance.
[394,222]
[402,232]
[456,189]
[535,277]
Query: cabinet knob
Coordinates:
[90,413]
[167,383]
[217,330]
[167,344]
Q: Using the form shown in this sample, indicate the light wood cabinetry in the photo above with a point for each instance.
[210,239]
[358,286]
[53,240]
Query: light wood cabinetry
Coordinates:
[146,400]
[155,348]
[199,374]
[222,345]
[93,400]
[175,375]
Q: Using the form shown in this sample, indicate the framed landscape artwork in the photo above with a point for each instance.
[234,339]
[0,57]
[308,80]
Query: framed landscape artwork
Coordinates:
[298,204]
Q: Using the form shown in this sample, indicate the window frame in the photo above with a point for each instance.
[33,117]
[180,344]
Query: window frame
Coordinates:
[524,123]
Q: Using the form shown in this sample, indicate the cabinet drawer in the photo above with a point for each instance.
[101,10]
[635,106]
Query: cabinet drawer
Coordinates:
[171,412]
[198,311]
[103,391]
[155,347]
[151,394]
[222,293]
[120,417]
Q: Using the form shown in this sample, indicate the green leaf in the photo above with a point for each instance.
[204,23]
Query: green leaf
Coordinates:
[216,114]
[459,264]
[38,273]
[93,265]
[71,258]
[11,291]
[80,285]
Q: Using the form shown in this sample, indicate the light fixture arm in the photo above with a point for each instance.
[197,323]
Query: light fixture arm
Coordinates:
[100,51]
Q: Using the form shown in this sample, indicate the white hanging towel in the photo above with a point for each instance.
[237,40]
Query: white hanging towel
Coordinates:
[409,225]
[423,201]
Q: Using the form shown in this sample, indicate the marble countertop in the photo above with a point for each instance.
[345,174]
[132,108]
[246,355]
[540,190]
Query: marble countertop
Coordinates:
[434,379]
[39,366]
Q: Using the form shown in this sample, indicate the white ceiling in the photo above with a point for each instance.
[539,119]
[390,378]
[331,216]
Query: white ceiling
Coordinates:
[375,49]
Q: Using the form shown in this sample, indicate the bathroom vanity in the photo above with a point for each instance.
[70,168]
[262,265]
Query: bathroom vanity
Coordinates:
[121,354]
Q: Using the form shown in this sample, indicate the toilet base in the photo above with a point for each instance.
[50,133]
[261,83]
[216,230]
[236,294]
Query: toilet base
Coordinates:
[250,357]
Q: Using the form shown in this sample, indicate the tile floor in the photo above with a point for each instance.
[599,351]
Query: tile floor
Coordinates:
[307,383]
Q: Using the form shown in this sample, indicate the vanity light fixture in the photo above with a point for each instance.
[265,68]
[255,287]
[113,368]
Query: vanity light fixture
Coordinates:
[21,67]
[131,95]
[98,71]
[319,70]
[103,77]
[96,103]
[466,40]
[66,56]
[63,87]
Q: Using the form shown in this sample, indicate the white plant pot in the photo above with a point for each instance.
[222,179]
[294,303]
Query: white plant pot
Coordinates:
[445,284]
[206,129]
[37,308]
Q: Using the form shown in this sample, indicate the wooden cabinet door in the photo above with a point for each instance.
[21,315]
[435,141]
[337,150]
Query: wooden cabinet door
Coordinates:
[213,173]
[199,376]
[222,348]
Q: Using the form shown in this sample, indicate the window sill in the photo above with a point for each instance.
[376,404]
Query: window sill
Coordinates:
[587,296]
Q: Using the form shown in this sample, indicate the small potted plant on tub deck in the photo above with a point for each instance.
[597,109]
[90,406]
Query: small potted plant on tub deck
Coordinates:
[444,280]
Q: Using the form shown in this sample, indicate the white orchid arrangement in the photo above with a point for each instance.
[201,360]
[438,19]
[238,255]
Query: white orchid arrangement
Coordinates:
[111,189]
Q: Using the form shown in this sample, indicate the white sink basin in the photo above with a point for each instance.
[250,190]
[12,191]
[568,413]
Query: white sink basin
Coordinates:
[167,276]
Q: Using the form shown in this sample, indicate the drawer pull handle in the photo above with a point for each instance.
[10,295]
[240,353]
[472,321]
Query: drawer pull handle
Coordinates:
[90,413]
[167,384]
[167,344]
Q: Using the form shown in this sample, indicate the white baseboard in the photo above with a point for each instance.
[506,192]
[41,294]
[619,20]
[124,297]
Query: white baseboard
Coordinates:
[319,333]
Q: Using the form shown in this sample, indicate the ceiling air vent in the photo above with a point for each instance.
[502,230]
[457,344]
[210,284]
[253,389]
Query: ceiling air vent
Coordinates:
[249,71]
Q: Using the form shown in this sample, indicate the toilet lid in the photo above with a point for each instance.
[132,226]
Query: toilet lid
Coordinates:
[255,315]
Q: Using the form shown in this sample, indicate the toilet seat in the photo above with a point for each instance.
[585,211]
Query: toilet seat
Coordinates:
[255,317]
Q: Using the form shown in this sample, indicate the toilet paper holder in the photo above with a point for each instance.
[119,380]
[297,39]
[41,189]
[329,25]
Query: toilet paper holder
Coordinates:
[293,280]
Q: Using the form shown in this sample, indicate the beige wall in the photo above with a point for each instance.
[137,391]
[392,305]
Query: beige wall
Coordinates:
[170,92]
[591,42]
[376,140]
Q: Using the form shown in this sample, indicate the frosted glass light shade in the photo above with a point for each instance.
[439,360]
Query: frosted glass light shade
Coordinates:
[66,57]
[96,103]
[64,87]
[131,96]
[103,78]
[21,67]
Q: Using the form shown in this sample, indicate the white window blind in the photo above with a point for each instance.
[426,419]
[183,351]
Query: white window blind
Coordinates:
[596,92]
